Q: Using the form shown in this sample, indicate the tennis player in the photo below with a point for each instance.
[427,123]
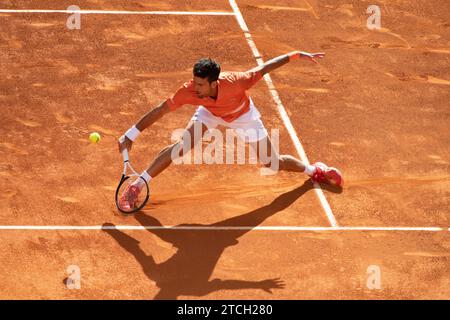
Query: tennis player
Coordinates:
[222,99]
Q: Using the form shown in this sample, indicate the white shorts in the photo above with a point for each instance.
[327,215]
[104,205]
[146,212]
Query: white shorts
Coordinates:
[248,126]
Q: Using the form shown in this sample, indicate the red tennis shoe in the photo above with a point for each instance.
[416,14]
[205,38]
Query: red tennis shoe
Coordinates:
[326,174]
[129,198]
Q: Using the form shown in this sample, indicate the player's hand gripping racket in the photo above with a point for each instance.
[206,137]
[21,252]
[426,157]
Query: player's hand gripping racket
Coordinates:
[129,199]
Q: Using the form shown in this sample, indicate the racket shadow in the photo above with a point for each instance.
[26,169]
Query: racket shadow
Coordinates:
[189,270]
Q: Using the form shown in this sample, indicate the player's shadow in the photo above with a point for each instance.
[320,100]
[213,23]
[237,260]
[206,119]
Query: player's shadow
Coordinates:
[189,270]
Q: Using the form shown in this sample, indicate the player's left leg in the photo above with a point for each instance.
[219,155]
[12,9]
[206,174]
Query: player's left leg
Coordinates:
[269,156]
[319,172]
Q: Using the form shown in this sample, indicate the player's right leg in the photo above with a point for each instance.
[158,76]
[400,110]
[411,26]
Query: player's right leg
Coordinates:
[191,136]
[177,149]
[319,172]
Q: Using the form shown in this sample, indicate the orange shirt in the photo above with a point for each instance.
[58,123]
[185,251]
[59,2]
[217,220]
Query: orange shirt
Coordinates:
[232,98]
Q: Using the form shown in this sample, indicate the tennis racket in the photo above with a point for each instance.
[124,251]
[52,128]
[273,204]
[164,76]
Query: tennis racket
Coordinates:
[127,199]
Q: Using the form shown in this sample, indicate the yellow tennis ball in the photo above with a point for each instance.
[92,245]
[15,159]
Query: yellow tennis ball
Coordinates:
[94,137]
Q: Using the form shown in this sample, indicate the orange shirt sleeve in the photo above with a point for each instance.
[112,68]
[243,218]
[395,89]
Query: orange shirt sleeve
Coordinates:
[180,97]
[248,79]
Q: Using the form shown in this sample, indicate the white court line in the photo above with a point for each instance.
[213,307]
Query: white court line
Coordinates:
[217,228]
[197,13]
[282,111]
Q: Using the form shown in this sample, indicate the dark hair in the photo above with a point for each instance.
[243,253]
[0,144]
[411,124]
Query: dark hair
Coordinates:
[206,67]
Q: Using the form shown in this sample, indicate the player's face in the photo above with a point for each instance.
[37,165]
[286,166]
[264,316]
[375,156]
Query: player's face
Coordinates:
[202,87]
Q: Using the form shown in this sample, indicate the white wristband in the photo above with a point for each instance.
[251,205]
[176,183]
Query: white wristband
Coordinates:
[132,133]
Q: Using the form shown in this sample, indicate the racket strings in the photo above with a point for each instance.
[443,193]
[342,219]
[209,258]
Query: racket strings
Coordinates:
[131,194]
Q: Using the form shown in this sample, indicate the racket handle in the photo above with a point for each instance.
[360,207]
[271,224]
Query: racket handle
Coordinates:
[125,155]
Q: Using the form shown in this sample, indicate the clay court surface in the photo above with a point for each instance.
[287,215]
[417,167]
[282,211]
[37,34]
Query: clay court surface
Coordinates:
[376,107]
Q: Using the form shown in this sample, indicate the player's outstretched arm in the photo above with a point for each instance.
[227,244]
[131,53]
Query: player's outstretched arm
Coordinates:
[126,141]
[285,58]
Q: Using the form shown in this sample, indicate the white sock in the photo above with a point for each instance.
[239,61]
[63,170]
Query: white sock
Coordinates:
[139,182]
[146,176]
[310,169]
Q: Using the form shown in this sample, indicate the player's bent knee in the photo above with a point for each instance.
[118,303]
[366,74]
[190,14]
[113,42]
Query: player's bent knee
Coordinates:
[267,164]
[282,160]
[274,162]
